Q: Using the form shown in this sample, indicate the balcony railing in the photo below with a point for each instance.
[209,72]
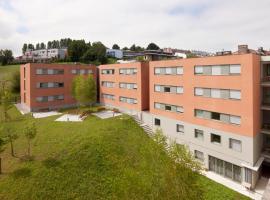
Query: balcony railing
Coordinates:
[265,79]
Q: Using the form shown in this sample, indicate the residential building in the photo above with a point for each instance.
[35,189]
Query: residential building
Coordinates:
[125,86]
[42,55]
[148,55]
[211,104]
[219,106]
[48,86]
[216,105]
[115,53]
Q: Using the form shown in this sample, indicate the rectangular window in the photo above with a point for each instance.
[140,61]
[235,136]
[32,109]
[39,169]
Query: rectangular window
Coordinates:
[157,122]
[216,139]
[179,128]
[39,71]
[235,94]
[157,88]
[167,107]
[107,96]
[235,69]
[235,145]
[248,176]
[130,86]
[218,116]
[225,169]
[217,70]
[235,120]
[128,71]
[199,155]
[218,93]
[215,93]
[50,85]
[128,100]
[169,89]
[107,84]
[215,116]
[107,71]
[168,70]
[198,134]
[198,92]
[198,69]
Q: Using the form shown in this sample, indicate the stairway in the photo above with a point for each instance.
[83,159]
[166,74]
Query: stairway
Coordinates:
[144,126]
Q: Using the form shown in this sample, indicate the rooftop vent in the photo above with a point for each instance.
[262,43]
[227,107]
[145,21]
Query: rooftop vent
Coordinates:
[223,53]
[243,48]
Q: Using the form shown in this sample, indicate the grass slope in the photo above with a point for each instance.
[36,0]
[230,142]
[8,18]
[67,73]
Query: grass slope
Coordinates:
[95,159]
[6,71]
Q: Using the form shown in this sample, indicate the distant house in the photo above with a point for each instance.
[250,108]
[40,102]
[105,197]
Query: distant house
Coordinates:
[149,55]
[42,55]
[115,53]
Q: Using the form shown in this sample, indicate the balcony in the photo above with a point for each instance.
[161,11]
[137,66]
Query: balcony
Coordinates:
[265,81]
[266,122]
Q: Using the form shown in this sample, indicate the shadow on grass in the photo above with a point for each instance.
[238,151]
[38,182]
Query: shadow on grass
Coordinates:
[21,173]
[51,162]
[27,158]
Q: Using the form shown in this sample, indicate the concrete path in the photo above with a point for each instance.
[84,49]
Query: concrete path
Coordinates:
[266,194]
[253,194]
[22,108]
[45,114]
[69,118]
[106,114]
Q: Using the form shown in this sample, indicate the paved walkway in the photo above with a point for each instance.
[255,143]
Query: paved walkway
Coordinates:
[69,118]
[106,114]
[266,194]
[256,194]
[45,114]
[22,108]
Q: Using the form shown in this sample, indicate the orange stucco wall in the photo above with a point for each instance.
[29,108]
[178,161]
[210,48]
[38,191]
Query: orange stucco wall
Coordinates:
[141,79]
[31,80]
[248,82]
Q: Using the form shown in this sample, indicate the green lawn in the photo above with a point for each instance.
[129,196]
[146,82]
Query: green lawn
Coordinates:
[95,159]
[6,71]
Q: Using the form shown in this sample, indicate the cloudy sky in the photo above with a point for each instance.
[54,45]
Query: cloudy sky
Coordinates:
[210,25]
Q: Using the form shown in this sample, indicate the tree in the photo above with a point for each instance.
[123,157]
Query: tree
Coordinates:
[136,48]
[99,51]
[96,53]
[152,46]
[183,170]
[125,49]
[42,45]
[16,82]
[6,103]
[37,46]
[115,46]
[76,50]
[24,48]
[49,45]
[30,47]
[6,56]
[30,132]
[84,90]
[2,148]
[133,47]
[10,137]
[192,55]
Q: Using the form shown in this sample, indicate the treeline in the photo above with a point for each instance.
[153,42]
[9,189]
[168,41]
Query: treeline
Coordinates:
[6,56]
[85,52]
[54,44]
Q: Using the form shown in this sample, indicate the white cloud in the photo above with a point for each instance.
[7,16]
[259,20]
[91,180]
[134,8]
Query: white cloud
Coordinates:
[207,25]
